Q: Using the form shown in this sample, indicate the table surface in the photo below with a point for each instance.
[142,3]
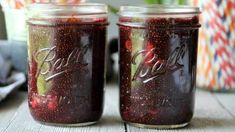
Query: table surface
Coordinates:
[213,112]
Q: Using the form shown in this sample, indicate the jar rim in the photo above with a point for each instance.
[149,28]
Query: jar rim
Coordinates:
[156,9]
[82,9]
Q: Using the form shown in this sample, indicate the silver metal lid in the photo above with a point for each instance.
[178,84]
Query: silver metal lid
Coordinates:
[132,11]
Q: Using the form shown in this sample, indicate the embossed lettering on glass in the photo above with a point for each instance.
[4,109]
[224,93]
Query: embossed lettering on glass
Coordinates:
[59,65]
[66,47]
[152,67]
[158,50]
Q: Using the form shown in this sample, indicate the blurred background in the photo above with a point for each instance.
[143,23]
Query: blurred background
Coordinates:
[216,59]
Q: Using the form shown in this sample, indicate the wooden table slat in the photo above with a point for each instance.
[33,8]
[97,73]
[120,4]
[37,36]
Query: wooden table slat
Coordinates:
[8,109]
[214,112]
[23,122]
[227,101]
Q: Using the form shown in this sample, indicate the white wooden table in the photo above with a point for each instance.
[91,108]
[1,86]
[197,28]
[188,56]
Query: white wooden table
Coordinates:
[214,112]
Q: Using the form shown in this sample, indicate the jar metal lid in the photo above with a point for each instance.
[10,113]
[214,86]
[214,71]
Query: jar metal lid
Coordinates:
[62,10]
[132,11]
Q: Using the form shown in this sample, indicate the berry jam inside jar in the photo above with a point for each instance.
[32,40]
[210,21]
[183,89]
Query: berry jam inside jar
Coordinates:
[66,47]
[158,55]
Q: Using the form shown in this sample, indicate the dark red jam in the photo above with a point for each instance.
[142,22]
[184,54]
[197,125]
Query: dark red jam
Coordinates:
[66,69]
[158,70]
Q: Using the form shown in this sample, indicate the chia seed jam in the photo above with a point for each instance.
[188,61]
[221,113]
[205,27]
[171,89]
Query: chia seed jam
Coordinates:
[158,55]
[66,63]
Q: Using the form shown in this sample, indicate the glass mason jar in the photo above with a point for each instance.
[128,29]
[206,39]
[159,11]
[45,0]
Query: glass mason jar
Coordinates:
[66,49]
[158,55]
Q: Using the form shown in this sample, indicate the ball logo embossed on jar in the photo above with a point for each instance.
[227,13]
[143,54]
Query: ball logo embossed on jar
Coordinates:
[51,63]
[151,66]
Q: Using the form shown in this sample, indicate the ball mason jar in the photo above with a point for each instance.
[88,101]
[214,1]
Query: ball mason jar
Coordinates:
[158,55]
[66,49]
